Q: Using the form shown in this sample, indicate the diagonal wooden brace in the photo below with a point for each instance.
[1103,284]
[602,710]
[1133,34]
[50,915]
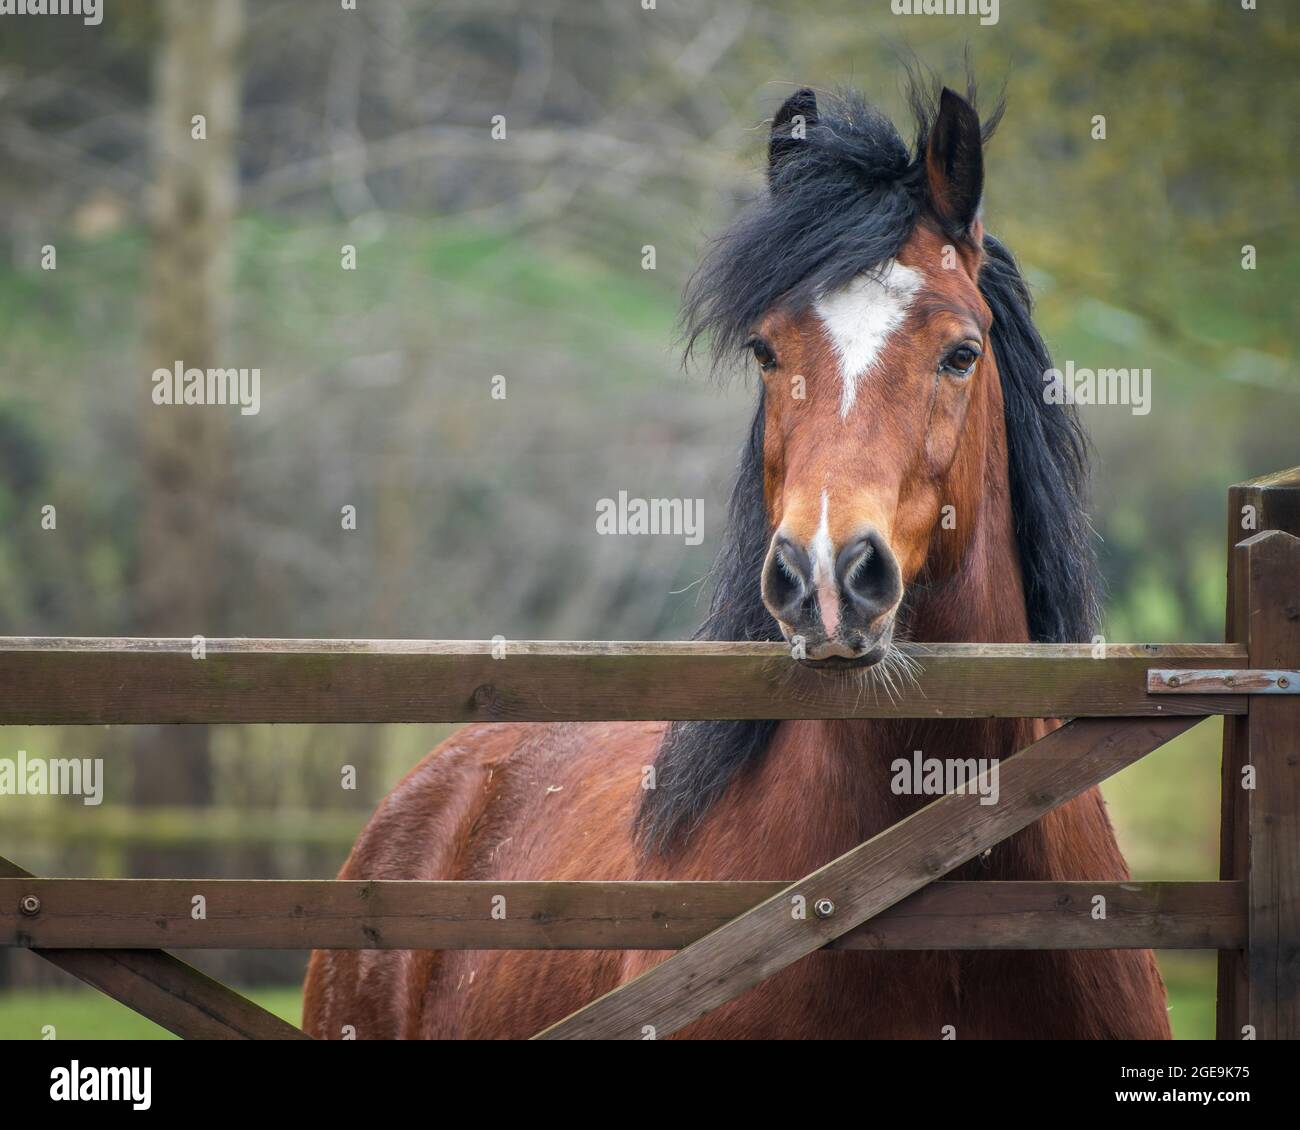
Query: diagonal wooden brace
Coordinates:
[863,882]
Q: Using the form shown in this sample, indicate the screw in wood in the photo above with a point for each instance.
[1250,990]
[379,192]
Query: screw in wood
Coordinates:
[29,905]
[1175,681]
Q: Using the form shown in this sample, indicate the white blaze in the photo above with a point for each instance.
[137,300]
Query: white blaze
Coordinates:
[823,567]
[861,316]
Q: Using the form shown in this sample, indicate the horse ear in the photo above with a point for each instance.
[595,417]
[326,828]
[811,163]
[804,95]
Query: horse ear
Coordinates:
[954,164]
[797,115]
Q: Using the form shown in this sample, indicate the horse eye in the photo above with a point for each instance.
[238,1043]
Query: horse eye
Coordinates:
[961,360]
[763,354]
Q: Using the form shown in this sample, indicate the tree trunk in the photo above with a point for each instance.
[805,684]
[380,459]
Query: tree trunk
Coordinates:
[185,487]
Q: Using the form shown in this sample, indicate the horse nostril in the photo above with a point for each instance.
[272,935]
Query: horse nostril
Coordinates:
[787,580]
[869,576]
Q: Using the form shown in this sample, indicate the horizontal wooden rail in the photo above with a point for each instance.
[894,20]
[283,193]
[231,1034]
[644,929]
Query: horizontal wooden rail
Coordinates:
[172,994]
[302,914]
[95,681]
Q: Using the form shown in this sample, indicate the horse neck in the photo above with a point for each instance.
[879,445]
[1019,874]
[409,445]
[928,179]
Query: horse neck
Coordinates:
[841,769]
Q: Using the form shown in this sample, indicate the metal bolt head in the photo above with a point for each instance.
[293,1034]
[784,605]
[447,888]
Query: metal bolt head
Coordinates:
[1283,682]
[1175,681]
[29,905]
[823,908]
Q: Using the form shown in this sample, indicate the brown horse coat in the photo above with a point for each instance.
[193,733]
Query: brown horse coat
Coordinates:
[861,464]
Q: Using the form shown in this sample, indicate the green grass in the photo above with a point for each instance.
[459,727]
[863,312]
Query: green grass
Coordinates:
[1190,977]
[83,1014]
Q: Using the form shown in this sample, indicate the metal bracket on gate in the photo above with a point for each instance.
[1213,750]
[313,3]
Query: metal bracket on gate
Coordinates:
[1236,681]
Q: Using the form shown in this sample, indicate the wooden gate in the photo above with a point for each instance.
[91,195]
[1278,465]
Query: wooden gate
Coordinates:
[888,893]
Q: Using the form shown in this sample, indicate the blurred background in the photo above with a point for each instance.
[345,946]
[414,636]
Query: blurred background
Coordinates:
[524,257]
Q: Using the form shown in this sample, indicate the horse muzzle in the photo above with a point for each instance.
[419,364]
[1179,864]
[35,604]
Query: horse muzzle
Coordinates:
[840,605]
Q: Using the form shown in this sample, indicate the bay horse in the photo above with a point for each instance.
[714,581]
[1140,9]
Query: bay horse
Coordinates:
[903,478]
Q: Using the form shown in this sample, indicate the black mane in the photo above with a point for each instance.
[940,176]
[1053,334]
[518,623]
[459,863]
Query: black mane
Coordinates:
[845,203]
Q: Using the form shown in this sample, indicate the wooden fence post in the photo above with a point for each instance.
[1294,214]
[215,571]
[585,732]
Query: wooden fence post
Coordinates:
[1268,503]
[1269,570]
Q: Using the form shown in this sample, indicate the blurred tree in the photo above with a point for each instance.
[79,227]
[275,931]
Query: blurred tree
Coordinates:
[185,458]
